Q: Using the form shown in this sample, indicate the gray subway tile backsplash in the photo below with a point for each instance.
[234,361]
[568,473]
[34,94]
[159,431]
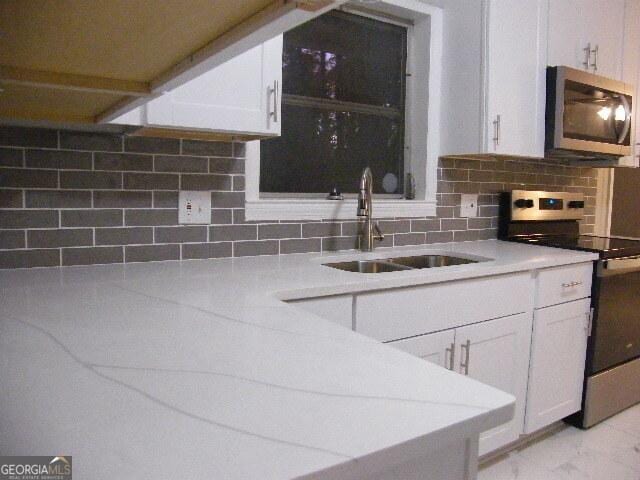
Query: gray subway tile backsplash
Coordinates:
[29,258]
[254,248]
[90,141]
[152,145]
[80,198]
[28,137]
[192,251]
[11,157]
[122,161]
[12,239]
[300,245]
[150,217]
[122,199]
[11,199]
[212,149]
[181,234]
[91,218]
[205,182]
[90,180]
[151,181]
[57,199]
[124,236]
[172,163]
[151,253]
[58,159]
[92,255]
[28,218]
[28,178]
[55,238]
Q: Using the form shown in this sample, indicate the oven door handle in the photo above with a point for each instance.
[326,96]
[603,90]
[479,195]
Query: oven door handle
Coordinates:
[618,266]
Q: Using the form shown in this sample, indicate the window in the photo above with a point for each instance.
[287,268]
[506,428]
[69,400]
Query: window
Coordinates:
[343,108]
[392,125]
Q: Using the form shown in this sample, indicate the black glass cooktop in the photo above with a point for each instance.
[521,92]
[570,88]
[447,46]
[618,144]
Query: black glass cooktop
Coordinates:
[607,247]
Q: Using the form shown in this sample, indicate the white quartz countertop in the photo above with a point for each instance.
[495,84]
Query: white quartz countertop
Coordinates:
[197,369]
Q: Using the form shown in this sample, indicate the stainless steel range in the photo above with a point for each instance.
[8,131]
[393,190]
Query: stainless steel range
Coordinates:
[612,370]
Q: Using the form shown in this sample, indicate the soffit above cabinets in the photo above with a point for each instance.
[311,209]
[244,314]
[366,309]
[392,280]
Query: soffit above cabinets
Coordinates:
[75,61]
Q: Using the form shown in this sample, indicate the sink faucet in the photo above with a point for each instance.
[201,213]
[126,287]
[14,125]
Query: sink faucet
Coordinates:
[365,204]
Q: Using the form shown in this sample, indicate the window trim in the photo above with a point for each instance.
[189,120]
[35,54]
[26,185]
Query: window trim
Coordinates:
[422,149]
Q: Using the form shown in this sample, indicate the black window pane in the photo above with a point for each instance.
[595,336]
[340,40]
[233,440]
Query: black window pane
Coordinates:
[321,148]
[346,57]
[342,108]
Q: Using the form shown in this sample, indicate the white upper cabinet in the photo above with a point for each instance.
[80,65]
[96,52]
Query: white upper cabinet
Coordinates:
[494,56]
[515,78]
[240,96]
[631,71]
[588,35]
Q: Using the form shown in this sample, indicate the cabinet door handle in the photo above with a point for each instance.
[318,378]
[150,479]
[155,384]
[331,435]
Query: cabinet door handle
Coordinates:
[587,56]
[496,131]
[571,284]
[273,91]
[465,364]
[594,64]
[450,352]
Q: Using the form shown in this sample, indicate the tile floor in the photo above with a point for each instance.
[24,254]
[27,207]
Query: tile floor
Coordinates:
[608,451]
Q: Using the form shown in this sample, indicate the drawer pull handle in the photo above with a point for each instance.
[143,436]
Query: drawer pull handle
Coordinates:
[571,284]
[465,364]
[450,352]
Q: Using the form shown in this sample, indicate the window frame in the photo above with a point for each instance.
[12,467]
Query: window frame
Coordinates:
[422,144]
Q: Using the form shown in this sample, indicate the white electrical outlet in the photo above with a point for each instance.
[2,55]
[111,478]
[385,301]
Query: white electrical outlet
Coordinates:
[194,207]
[468,205]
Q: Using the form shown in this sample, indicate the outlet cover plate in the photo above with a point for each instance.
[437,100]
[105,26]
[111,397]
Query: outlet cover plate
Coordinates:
[194,207]
[468,205]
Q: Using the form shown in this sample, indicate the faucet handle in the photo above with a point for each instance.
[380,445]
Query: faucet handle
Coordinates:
[379,235]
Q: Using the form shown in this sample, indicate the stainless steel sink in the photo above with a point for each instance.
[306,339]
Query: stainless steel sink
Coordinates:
[367,266]
[429,261]
[400,263]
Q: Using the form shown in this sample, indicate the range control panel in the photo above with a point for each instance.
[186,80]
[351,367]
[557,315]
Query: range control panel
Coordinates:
[537,205]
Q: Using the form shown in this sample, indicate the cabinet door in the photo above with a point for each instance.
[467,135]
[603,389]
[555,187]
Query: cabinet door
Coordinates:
[516,78]
[604,22]
[496,353]
[567,33]
[237,96]
[556,374]
[436,347]
[575,23]
[631,72]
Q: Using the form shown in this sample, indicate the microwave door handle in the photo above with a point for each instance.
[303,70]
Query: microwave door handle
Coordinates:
[627,120]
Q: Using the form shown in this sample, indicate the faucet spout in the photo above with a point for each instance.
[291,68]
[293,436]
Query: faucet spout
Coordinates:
[365,208]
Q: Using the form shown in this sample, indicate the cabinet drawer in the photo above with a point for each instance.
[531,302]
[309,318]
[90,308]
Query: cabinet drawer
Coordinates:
[401,313]
[563,284]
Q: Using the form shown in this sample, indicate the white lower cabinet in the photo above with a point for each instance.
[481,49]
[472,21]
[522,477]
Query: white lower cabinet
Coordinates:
[496,353]
[523,334]
[557,363]
[436,347]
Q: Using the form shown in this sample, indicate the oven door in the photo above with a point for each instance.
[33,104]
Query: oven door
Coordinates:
[593,113]
[616,329]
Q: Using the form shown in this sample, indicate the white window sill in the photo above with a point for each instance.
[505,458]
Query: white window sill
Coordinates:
[318,209]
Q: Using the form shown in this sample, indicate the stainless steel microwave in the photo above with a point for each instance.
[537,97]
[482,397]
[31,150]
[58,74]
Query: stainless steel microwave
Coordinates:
[587,116]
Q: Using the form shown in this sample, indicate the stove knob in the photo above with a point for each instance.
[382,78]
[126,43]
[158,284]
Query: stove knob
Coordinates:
[523,203]
[576,204]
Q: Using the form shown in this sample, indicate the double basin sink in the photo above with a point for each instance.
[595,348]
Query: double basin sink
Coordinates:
[396,264]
